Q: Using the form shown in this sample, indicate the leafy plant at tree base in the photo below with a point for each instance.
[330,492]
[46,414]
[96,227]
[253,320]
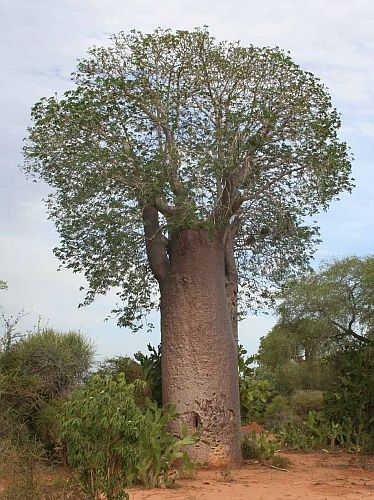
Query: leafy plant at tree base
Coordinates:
[111,443]
[151,365]
[157,450]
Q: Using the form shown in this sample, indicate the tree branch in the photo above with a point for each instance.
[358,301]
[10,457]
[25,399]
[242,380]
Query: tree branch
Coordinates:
[231,275]
[155,243]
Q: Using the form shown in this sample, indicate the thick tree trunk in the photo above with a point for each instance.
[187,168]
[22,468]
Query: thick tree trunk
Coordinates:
[199,350]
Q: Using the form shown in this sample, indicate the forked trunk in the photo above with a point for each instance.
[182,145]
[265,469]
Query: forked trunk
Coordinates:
[199,350]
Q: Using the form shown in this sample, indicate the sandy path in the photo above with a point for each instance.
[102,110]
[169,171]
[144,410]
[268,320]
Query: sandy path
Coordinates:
[310,476]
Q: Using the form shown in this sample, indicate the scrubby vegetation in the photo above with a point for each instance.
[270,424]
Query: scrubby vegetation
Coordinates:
[310,386]
[57,410]
[312,381]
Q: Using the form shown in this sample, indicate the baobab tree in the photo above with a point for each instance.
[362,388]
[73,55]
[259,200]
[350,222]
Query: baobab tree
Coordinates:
[183,171]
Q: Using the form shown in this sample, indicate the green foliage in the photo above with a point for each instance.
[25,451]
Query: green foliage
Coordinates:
[317,431]
[46,430]
[304,340]
[122,364]
[321,356]
[254,398]
[35,372]
[111,443]
[157,450]
[194,130]
[257,446]
[99,427]
[353,392]
[254,394]
[277,412]
[151,365]
[340,296]
[3,285]
[56,360]
[302,402]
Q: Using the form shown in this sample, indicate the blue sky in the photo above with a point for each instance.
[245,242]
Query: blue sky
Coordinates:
[40,41]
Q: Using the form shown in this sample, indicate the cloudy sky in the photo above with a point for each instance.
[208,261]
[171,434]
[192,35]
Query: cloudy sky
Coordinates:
[40,41]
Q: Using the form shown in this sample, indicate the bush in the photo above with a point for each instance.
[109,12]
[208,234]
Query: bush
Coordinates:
[312,433]
[316,431]
[111,443]
[57,360]
[151,365]
[257,447]
[25,474]
[131,369]
[46,428]
[35,371]
[277,412]
[254,393]
[254,398]
[353,393]
[302,402]
[280,461]
[99,426]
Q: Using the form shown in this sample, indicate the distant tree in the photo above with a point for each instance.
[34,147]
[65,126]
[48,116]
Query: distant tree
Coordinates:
[3,285]
[339,298]
[121,364]
[182,168]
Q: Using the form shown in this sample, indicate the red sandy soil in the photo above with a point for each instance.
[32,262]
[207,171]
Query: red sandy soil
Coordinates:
[310,476]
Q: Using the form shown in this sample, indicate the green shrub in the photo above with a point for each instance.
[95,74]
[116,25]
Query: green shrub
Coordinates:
[99,426]
[34,371]
[311,433]
[280,461]
[302,402]
[257,447]
[316,431]
[353,391]
[254,393]
[254,398]
[58,360]
[277,412]
[151,365]
[157,450]
[111,443]
[47,430]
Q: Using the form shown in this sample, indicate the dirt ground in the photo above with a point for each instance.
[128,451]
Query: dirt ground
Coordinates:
[310,476]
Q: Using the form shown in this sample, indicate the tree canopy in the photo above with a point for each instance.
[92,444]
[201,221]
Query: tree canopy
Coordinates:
[339,298]
[166,131]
